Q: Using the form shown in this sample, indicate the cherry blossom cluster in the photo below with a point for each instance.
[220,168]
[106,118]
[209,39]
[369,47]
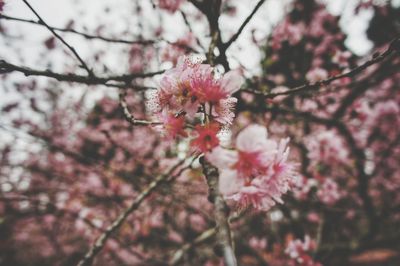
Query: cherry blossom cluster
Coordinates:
[256,172]
[192,91]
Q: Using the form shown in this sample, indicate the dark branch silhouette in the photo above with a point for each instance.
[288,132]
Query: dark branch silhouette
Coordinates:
[72,49]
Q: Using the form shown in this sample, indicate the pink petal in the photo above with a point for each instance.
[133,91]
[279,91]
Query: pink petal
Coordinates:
[252,138]
[232,81]
[222,158]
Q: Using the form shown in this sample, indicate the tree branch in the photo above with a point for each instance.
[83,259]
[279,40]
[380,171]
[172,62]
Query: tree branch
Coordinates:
[187,23]
[203,237]
[393,47]
[6,67]
[178,255]
[83,34]
[99,37]
[72,49]
[220,213]
[128,116]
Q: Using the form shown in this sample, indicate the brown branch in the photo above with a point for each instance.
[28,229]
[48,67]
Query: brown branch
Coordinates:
[128,115]
[393,47]
[366,84]
[87,260]
[72,49]
[83,34]
[220,213]
[211,9]
[214,39]
[109,81]
[241,28]
[187,23]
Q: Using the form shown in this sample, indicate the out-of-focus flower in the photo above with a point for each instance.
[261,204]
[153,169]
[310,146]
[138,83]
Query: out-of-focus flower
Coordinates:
[329,192]
[316,74]
[299,251]
[170,5]
[327,147]
[173,51]
[258,243]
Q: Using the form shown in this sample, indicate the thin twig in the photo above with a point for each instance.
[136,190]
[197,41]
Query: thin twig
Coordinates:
[178,255]
[72,49]
[241,28]
[99,37]
[313,86]
[128,115]
[185,19]
[87,260]
[83,34]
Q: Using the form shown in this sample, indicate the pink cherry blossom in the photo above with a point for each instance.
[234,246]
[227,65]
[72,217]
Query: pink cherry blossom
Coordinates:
[190,85]
[170,5]
[206,137]
[175,92]
[173,125]
[256,172]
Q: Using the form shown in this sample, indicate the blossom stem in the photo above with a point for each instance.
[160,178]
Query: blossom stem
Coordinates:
[220,213]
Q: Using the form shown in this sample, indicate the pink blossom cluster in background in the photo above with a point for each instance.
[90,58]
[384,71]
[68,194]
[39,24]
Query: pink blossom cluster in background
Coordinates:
[170,5]
[300,251]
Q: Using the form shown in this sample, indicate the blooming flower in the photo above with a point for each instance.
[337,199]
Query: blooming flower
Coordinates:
[190,85]
[257,171]
[222,111]
[206,138]
[175,93]
[173,125]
